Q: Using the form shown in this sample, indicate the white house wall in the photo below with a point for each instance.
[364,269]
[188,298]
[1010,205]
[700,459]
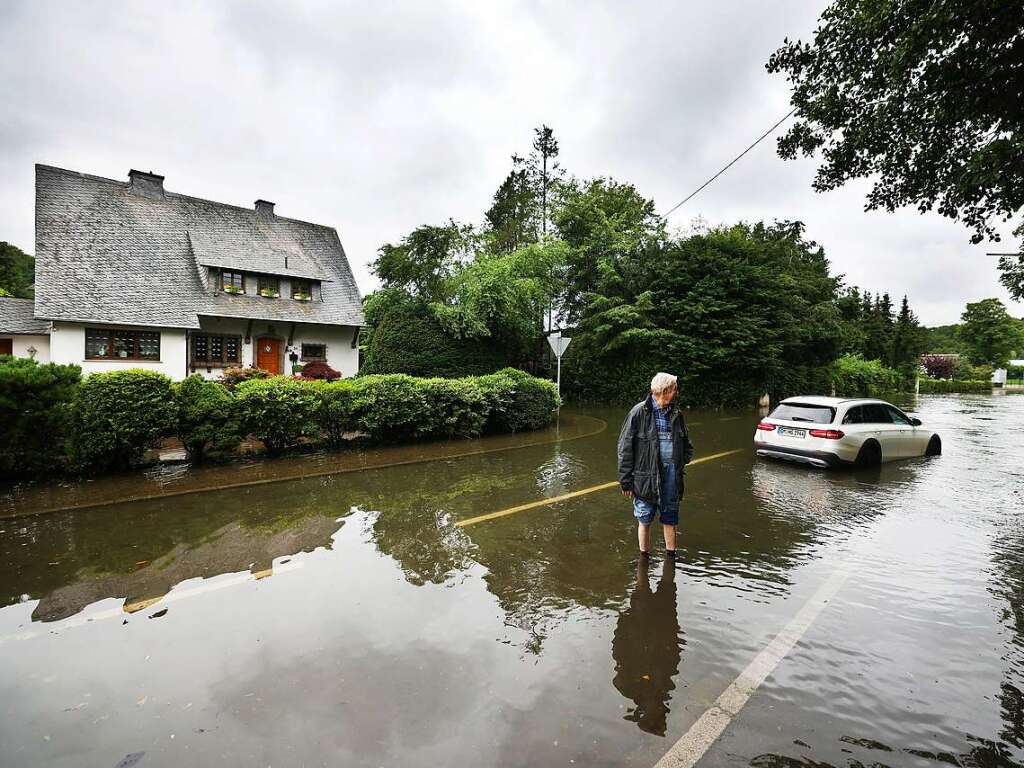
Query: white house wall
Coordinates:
[67,345]
[20,345]
[338,339]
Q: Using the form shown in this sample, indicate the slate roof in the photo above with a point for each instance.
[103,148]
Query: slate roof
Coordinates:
[106,253]
[16,318]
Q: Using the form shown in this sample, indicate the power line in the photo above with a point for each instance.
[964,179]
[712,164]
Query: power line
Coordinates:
[761,138]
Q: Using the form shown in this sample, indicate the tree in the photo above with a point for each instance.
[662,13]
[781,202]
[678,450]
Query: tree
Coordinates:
[908,340]
[545,150]
[17,272]
[425,259]
[610,230]
[990,335]
[916,96]
[512,218]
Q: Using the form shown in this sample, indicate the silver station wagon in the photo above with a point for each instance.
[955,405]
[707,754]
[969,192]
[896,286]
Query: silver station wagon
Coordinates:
[831,431]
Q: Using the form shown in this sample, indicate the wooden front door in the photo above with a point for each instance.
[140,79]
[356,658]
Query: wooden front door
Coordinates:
[6,346]
[268,355]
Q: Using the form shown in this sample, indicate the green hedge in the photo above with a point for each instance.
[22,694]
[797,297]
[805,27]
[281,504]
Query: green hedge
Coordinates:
[118,415]
[35,411]
[279,411]
[207,418]
[942,387]
[517,401]
[853,376]
[409,340]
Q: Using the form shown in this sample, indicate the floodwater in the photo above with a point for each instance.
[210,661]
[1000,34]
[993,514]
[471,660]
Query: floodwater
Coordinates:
[348,619]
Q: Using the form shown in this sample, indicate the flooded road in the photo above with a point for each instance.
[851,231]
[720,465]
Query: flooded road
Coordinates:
[348,619]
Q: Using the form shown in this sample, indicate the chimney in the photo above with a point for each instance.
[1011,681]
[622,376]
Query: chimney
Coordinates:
[146,183]
[265,208]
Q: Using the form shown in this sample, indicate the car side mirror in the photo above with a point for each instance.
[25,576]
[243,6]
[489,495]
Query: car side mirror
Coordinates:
[915,422]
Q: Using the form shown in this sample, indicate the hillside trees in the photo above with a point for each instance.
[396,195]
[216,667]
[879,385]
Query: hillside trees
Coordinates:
[989,334]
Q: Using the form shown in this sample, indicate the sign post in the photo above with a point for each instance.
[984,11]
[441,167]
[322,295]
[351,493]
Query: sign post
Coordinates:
[558,344]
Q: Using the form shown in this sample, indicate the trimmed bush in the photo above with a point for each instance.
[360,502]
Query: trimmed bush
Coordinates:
[232,377]
[454,408]
[853,376]
[410,340]
[388,407]
[35,411]
[118,415]
[517,401]
[335,411]
[207,422]
[933,387]
[277,410]
[320,371]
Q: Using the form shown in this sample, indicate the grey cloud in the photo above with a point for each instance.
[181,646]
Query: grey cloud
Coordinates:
[378,118]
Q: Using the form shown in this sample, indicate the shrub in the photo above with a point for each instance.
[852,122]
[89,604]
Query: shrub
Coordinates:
[319,371]
[939,366]
[207,418]
[454,408]
[232,377]
[335,411]
[277,410]
[517,401]
[933,387]
[853,376]
[410,340]
[118,415]
[388,407]
[35,409]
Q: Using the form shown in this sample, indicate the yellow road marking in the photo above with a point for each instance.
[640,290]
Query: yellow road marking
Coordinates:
[574,494]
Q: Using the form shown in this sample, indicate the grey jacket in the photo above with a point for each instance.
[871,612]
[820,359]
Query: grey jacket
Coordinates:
[639,459]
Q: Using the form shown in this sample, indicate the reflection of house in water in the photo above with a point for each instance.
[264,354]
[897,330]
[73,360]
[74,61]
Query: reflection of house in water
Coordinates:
[230,549]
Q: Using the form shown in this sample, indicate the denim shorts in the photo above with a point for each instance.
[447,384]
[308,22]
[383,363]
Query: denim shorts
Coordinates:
[644,511]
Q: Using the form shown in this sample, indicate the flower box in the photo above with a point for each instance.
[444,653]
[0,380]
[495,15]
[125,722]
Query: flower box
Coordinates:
[232,289]
[269,293]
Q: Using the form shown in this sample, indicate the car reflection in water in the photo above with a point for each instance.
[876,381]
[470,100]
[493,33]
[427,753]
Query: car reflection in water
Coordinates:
[647,647]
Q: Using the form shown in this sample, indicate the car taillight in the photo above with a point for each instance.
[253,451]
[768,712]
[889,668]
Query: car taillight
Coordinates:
[765,426]
[828,434]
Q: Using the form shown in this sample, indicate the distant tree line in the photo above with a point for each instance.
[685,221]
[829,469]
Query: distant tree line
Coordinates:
[735,310]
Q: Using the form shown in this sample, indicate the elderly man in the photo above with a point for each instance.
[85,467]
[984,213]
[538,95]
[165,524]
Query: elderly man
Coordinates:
[654,446]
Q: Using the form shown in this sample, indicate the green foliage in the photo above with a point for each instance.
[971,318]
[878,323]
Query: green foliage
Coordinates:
[118,415]
[853,376]
[517,401]
[734,312]
[207,419]
[424,260]
[389,408]
[944,340]
[912,96]
[278,410]
[335,411]
[17,272]
[989,334]
[512,218]
[934,387]
[454,408]
[35,410]
[232,377]
[409,339]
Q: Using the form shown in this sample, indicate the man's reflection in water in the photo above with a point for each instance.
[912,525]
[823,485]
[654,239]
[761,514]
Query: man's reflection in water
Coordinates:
[646,648]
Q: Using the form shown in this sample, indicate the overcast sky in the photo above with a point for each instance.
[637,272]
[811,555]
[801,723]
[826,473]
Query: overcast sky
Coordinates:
[375,118]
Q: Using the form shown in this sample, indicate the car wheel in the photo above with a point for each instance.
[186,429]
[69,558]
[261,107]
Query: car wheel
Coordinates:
[870,454]
[934,447]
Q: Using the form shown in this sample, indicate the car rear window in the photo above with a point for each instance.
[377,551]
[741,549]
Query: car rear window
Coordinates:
[815,414]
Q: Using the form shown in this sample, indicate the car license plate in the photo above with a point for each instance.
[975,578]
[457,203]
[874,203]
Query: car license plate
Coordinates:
[792,432]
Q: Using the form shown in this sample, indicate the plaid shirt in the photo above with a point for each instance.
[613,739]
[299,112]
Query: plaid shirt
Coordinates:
[662,417]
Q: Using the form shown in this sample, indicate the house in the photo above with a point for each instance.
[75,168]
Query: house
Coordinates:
[131,275]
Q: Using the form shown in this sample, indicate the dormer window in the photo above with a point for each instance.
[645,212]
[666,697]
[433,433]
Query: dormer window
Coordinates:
[302,290]
[232,282]
[269,287]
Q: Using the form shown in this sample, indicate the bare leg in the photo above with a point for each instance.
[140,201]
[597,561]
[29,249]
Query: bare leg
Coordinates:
[643,536]
[670,536]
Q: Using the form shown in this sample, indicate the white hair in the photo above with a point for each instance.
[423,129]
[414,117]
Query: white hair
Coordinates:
[663,382]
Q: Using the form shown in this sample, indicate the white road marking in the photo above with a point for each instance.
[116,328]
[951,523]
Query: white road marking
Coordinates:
[688,751]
